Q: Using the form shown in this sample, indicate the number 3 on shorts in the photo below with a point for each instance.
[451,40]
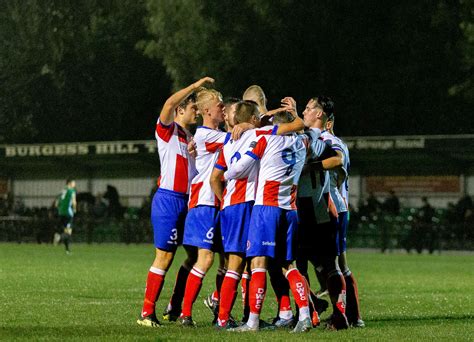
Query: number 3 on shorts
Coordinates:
[174,234]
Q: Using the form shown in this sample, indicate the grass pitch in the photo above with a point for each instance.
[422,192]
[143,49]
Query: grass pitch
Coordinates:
[96,294]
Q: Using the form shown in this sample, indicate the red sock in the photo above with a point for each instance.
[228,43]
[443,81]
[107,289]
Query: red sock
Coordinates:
[285,303]
[337,291]
[298,287]
[244,286]
[221,272]
[352,297]
[257,290]
[178,290]
[228,295]
[193,286]
[154,284]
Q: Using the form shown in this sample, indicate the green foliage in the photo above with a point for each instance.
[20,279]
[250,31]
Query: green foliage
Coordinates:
[466,87]
[391,64]
[68,66]
[97,292]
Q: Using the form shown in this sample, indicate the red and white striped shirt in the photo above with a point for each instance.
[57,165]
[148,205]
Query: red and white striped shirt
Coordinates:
[177,166]
[240,190]
[281,161]
[208,143]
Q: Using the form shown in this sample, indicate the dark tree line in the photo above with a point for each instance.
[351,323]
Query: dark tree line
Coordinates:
[99,70]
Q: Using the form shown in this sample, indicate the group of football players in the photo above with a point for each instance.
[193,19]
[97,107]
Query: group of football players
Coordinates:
[268,192]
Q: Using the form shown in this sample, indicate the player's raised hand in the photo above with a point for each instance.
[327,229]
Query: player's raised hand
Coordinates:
[289,104]
[203,81]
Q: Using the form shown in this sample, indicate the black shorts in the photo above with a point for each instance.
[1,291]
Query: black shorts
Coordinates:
[315,239]
[66,221]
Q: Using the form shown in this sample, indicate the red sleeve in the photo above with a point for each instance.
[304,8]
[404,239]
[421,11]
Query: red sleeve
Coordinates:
[165,132]
[220,163]
[259,148]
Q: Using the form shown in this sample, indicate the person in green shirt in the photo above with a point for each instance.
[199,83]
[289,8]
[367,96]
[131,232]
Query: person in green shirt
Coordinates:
[66,204]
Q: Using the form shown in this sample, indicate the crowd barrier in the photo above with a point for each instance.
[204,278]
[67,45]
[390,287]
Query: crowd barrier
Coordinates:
[385,232]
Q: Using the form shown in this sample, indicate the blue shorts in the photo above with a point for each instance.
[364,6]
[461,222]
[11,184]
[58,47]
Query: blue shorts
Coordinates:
[342,223]
[168,211]
[272,233]
[202,228]
[235,221]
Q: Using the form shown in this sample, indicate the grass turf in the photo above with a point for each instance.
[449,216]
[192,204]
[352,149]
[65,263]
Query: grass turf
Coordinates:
[96,294]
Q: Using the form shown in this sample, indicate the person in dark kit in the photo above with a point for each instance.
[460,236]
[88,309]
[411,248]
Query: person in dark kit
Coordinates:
[423,233]
[66,204]
[392,204]
[112,196]
[373,204]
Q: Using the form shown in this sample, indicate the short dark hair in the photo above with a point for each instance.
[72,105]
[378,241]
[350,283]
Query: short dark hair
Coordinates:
[326,104]
[283,117]
[187,100]
[69,180]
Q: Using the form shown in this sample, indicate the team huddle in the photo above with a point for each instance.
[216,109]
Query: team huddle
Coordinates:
[269,195]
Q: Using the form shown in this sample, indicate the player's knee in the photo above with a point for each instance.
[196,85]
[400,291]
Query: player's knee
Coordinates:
[236,263]
[259,262]
[163,259]
[205,259]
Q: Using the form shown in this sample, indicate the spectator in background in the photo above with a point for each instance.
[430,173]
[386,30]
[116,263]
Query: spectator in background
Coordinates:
[464,207]
[391,204]
[112,196]
[373,204]
[424,232]
[100,207]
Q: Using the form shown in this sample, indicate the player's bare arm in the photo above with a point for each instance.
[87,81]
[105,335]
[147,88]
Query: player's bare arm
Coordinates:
[216,183]
[240,128]
[333,163]
[168,110]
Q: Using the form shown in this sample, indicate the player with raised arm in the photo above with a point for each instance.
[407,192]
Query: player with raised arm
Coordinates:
[169,206]
[341,193]
[317,235]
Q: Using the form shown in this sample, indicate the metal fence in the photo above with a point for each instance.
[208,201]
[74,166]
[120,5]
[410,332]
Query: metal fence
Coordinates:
[384,232]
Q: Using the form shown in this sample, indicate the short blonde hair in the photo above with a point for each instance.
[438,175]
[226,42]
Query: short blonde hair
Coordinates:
[204,96]
[255,93]
[244,111]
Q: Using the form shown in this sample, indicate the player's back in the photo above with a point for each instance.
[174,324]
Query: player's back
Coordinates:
[241,189]
[65,202]
[280,167]
[208,143]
